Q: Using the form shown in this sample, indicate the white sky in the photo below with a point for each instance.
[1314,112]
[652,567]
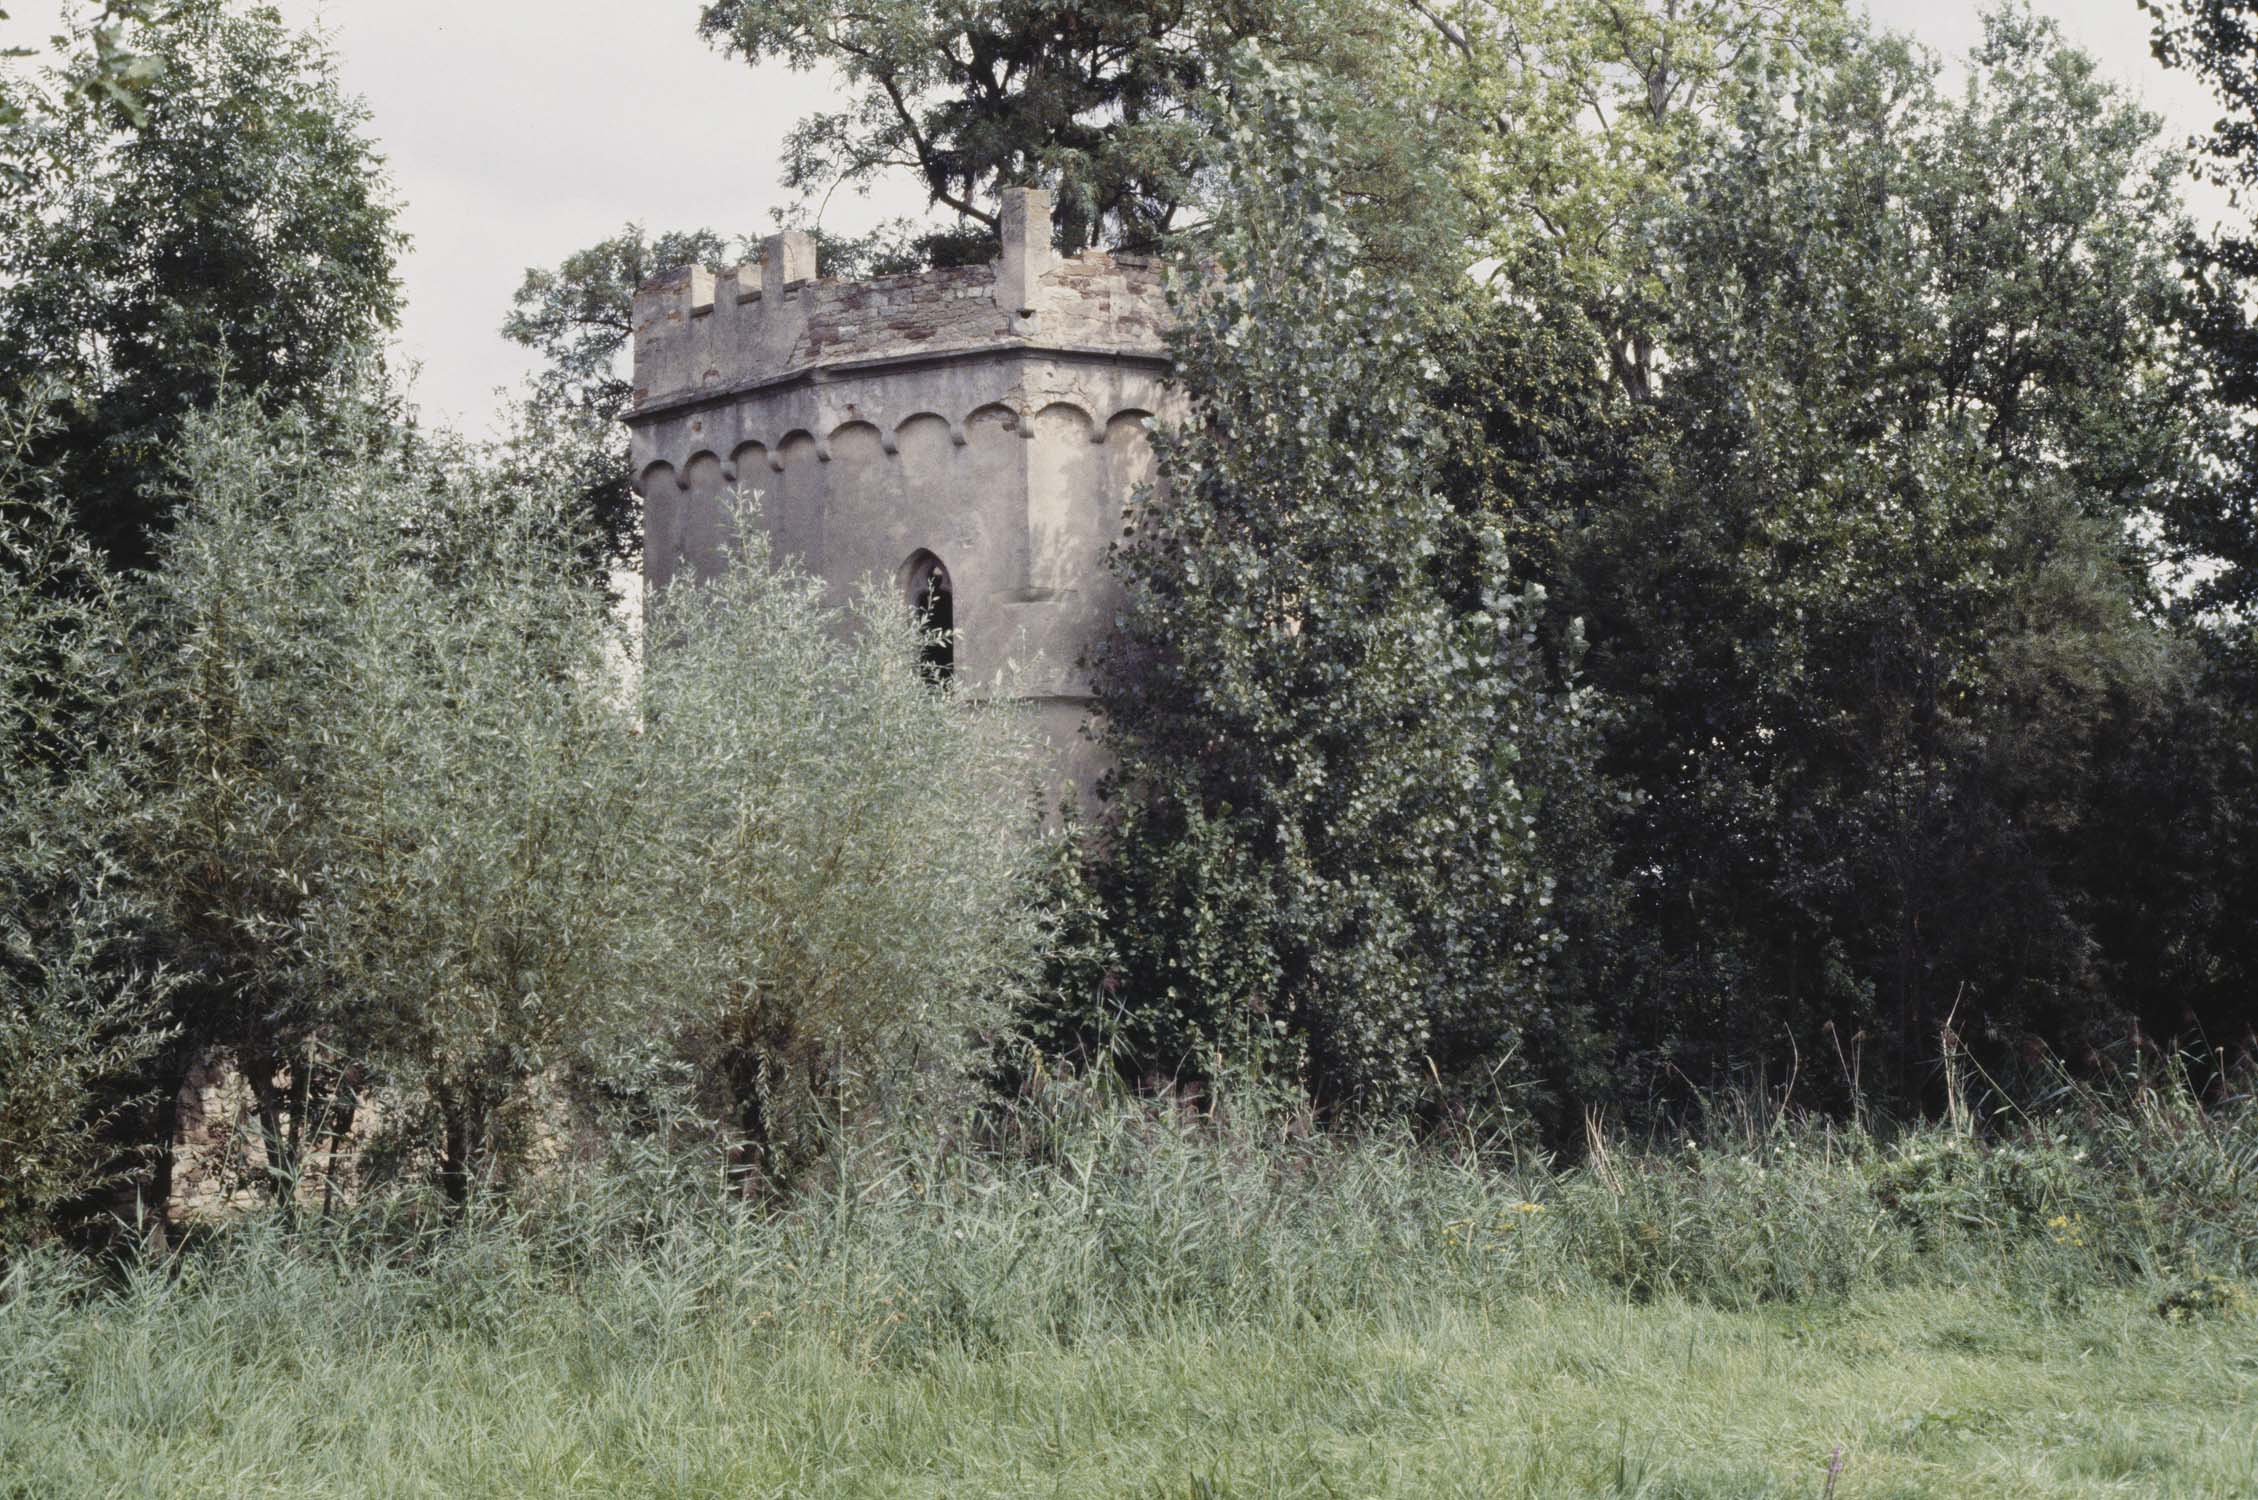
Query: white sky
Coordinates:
[518,131]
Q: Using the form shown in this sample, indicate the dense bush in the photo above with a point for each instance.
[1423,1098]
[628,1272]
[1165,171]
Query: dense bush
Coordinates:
[1332,721]
[833,858]
[206,209]
[395,780]
[1875,581]
[400,824]
[78,1013]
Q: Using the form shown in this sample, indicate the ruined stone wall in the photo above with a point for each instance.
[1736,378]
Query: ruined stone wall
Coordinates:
[219,1152]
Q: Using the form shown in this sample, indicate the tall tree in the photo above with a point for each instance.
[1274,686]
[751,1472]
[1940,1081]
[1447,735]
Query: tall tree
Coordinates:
[1577,124]
[80,1017]
[242,233]
[2201,959]
[2217,40]
[115,76]
[1317,842]
[1880,623]
[1107,104]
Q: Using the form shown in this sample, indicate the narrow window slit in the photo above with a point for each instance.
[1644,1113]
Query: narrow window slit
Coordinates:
[932,603]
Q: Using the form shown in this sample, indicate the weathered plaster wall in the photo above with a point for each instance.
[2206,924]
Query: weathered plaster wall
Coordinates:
[994,416]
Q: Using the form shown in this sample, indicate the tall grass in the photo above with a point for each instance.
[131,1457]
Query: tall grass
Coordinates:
[1097,1295]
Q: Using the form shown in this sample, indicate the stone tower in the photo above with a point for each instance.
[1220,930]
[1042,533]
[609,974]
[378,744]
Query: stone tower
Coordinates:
[968,436]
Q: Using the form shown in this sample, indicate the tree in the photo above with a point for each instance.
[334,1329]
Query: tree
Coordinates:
[834,861]
[114,76]
[2197,964]
[2218,43]
[241,230]
[381,827]
[1316,846]
[1576,124]
[1879,624]
[81,1016]
[405,826]
[1107,104]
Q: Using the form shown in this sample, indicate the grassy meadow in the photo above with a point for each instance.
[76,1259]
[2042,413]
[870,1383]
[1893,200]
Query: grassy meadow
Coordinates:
[1122,1300]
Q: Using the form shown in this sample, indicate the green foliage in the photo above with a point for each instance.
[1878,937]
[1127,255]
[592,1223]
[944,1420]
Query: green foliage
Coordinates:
[1317,851]
[111,75]
[1894,443]
[566,426]
[1110,105]
[834,860]
[1576,124]
[1878,619]
[410,832]
[2214,39]
[69,1036]
[243,232]
[1527,438]
[974,99]
[391,770]
[79,1014]
[2205,760]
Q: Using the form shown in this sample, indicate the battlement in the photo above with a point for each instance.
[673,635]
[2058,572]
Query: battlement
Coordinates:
[973,435]
[702,335]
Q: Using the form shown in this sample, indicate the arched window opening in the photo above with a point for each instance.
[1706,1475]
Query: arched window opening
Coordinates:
[932,603]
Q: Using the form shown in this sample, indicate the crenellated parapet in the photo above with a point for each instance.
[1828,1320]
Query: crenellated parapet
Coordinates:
[982,425]
[700,334]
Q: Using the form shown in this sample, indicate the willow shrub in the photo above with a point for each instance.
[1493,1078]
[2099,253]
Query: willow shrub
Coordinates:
[397,778]
[79,1011]
[837,854]
[416,827]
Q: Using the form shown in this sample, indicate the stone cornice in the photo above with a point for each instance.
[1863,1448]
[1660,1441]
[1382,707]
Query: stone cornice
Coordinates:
[677,403]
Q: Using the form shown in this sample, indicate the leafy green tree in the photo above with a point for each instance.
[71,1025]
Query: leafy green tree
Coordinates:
[113,75]
[408,828]
[1577,123]
[2198,962]
[2218,43]
[1878,622]
[392,771]
[2169,858]
[243,227]
[835,862]
[1316,847]
[80,1016]
[1107,104]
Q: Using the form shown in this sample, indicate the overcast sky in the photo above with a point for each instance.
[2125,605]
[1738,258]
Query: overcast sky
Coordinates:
[518,131]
